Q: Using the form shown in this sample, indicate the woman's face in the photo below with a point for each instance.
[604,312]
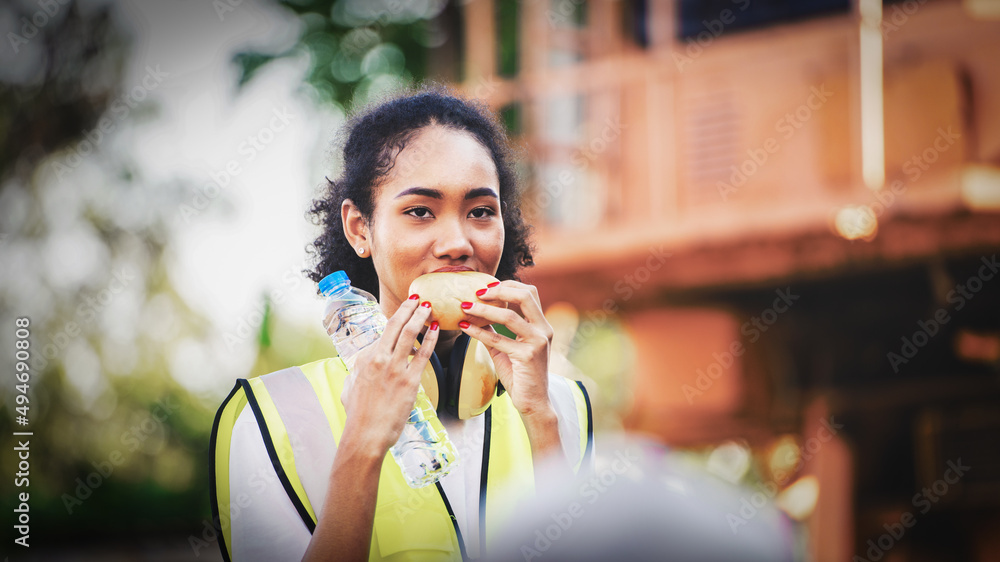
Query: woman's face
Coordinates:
[439,207]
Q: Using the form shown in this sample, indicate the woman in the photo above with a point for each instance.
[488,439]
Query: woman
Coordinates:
[300,460]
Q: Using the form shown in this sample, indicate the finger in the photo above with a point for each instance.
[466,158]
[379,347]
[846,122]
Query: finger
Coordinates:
[423,355]
[496,315]
[408,335]
[525,297]
[395,324]
[490,338]
[513,321]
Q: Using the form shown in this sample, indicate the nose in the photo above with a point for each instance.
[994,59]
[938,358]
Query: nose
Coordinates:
[451,241]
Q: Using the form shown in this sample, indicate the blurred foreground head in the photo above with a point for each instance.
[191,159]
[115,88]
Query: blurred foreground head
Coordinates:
[641,502]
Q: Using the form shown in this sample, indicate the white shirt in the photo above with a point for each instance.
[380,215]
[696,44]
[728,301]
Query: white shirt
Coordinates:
[265,525]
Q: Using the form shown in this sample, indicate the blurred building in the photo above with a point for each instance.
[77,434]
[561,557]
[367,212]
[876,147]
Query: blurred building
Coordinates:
[793,208]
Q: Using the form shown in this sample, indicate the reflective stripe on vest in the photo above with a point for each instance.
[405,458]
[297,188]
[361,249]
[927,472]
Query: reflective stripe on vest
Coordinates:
[218,466]
[410,524]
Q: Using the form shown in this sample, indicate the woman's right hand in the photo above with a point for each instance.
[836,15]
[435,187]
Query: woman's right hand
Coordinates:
[378,398]
[379,395]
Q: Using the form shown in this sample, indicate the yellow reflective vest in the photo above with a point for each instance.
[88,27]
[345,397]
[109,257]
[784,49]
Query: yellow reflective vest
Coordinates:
[295,406]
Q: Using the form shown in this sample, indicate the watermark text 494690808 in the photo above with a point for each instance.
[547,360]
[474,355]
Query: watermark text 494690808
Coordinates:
[22,385]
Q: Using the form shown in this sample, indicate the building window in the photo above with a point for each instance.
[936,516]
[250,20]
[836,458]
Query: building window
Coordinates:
[635,20]
[565,188]
[719,17]
[507,18]
[510,115]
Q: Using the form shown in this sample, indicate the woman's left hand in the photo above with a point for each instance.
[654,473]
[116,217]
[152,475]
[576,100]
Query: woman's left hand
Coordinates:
[522,364]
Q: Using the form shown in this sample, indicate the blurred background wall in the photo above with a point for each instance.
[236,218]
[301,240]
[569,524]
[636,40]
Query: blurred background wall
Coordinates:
[766,232]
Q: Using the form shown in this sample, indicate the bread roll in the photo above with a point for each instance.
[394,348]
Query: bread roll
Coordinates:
[447,290]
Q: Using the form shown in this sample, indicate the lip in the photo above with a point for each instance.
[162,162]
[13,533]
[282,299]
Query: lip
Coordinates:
[452,268]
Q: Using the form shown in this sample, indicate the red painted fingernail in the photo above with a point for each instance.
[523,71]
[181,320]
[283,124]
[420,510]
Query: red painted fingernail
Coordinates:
[466,305]
[480,292]
[434,325]
[414,297]
[463,324]
[493,284]
[425,304]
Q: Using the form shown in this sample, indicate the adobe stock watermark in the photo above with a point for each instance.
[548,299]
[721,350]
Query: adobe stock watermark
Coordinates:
[132,439]
[924,500]
[750,507]
[917,164]
[47,9]
[590,491]
[753,329]
[625,287]
[247,326]
[713,29]
[562,12]
[417,154]
[118,110]
[900,15]
[581,159]
[258,482]
[914,168]
[958,298]
[86,312]
[472,445]
[786,126]
[249,149]
[223,7]
[367,35]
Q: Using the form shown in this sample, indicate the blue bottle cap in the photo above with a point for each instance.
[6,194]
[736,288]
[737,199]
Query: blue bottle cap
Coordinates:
[334,282]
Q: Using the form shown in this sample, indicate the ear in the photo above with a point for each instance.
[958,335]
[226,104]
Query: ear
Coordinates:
[355,227]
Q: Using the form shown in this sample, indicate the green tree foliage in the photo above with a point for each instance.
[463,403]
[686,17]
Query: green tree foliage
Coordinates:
[83,238]
[358,49]
[57,80]
[120,445]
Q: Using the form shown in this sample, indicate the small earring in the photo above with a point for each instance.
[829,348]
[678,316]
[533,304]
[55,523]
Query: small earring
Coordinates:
[361,251]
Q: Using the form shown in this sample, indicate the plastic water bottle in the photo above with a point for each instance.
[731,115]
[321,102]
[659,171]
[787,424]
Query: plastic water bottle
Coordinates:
[354,321]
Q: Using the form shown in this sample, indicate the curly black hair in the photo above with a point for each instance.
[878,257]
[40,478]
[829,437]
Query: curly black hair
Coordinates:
[374,138]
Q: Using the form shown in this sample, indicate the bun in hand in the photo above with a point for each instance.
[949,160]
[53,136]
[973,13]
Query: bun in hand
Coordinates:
[447,290]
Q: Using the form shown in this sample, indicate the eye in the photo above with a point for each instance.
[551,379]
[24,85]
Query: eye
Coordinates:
[418,212]
[482,212]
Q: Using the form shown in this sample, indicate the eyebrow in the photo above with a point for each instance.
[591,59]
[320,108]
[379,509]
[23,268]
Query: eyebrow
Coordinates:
[481,192]
[436,194]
